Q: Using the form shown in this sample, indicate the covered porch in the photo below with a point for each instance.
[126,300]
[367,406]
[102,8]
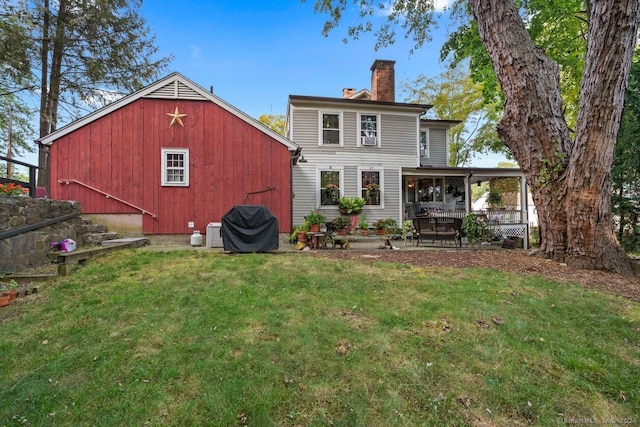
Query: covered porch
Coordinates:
[449,192]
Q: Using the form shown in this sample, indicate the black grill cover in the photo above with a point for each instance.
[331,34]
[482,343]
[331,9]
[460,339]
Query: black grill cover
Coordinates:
[249,228]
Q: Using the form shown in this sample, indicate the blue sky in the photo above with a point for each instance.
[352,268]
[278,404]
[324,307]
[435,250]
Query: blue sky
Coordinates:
[256,53]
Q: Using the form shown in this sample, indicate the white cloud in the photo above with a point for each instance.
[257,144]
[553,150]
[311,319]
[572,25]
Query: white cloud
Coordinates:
[439,5]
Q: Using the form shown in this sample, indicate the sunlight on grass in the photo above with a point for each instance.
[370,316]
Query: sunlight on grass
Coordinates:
[202,338]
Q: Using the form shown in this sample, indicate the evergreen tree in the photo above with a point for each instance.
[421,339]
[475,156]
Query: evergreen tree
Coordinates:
[83,53]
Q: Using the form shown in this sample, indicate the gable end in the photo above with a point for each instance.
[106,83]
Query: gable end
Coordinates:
[176,89]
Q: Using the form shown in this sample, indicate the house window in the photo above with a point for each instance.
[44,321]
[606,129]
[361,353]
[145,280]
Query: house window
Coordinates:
[175,167]
[371,187]
[329,187]
[424,144]
[430,189]
[369,130]
[330,132]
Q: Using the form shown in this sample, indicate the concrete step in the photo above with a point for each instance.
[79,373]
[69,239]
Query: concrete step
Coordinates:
[134,242]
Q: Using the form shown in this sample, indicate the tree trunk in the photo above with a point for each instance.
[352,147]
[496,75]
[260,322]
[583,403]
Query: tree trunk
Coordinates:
[43,153]
[570,180]
[50,96]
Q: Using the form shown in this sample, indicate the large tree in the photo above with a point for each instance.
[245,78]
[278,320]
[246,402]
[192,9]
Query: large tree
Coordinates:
[82,52]
[625,172]
[455,96]
[569,175]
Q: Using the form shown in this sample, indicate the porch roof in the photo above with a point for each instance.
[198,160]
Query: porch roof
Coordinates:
[473,173]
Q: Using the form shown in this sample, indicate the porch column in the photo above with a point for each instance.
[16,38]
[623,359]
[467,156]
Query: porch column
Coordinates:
[524,210]
[467,195]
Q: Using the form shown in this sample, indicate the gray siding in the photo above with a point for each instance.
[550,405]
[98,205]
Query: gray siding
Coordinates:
[305,127]
[398,135]
[437,148]
[398,149]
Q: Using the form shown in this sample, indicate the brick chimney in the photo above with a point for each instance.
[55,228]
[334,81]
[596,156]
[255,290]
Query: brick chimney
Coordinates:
[348,92]
[383,81]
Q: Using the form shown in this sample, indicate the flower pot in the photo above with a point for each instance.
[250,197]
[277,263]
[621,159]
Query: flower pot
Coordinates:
[346,212]
[302,236]
[12,294]
[364,232]
[314,228]
[380,232]
[4,300]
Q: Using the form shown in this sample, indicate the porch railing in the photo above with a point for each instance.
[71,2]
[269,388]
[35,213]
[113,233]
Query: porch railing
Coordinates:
[499,216]
[107,195]
[31,185]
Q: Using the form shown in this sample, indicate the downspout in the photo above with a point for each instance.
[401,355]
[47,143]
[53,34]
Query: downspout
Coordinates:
[295,156]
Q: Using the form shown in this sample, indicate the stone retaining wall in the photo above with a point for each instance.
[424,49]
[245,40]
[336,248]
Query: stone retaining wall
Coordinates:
[30,249]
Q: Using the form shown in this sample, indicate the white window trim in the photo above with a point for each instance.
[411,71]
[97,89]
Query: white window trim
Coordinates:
[318,184]
[320,129]
[372,169]
[378,126]
[185,153]
[427,149]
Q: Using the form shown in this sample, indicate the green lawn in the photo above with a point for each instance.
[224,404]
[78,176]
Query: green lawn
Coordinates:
[203,338]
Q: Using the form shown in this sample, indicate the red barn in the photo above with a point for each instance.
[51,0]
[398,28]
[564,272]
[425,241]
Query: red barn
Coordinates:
[169,159]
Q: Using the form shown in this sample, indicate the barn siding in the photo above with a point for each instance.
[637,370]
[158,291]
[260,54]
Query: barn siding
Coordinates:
[120,153]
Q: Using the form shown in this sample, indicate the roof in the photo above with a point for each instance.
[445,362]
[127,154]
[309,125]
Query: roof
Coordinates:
[348,101]
[173,86]
[440,123]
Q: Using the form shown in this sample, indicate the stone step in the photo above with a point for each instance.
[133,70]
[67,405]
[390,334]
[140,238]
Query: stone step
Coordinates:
[95,228]
[98,238]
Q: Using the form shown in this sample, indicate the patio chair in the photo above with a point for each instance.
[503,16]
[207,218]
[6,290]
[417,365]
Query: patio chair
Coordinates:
[418,210]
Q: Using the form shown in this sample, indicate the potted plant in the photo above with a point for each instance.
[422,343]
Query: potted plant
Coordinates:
[315,218]
[391,225]
[12,189]
[474,228]
[10,290]
[380,225]
[351,205]
[373,193]
[342,224]
[363,225]
[494,199]
[299,233]
[333,192]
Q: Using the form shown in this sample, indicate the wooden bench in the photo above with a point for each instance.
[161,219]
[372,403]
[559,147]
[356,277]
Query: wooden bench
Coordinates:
[438,228]
[65,260]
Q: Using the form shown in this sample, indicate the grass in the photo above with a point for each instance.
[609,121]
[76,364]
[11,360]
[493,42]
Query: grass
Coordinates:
[202,338]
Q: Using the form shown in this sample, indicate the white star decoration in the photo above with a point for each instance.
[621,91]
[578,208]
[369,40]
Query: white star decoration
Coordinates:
[176,117]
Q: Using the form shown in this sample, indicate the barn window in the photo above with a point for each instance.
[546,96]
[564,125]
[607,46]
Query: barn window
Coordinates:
[175,167]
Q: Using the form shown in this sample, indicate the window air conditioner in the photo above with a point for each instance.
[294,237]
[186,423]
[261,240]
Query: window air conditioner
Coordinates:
[369,140]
